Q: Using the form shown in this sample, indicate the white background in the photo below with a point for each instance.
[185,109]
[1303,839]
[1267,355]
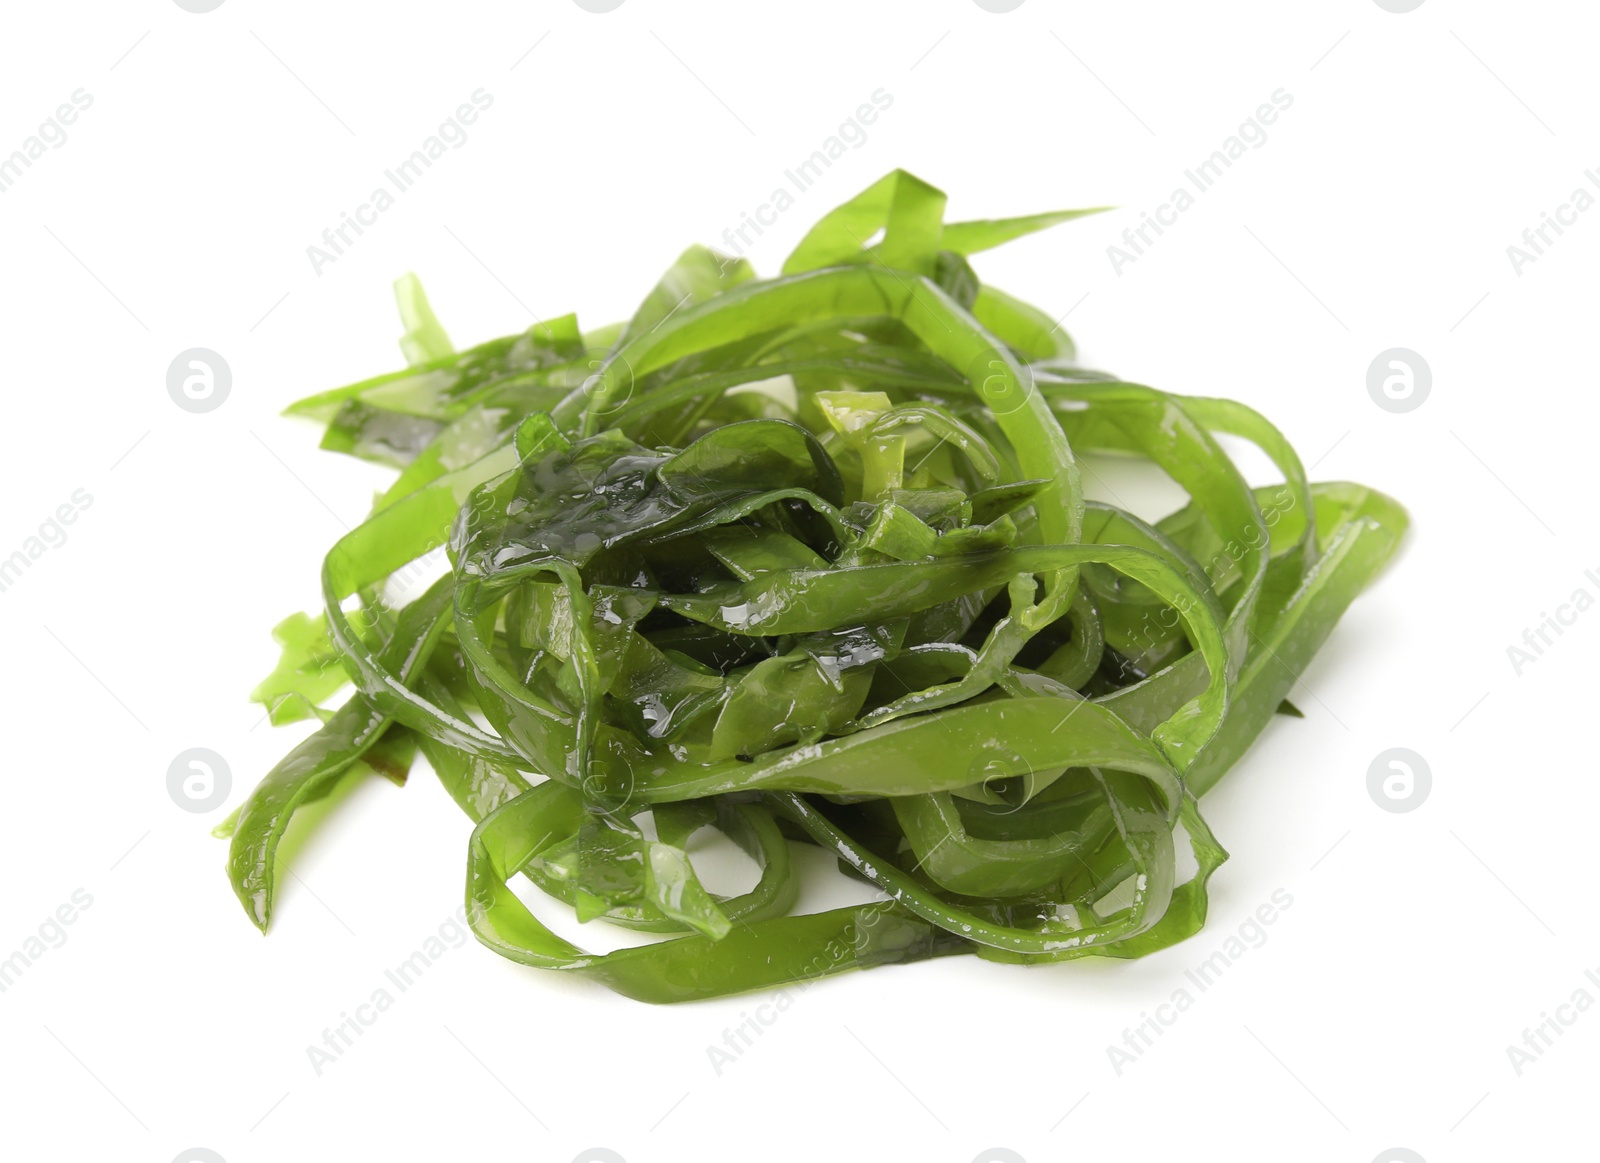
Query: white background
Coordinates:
[1378,1011]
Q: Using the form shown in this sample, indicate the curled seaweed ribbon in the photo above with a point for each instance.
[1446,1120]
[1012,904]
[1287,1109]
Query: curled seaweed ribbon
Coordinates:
[808,559]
